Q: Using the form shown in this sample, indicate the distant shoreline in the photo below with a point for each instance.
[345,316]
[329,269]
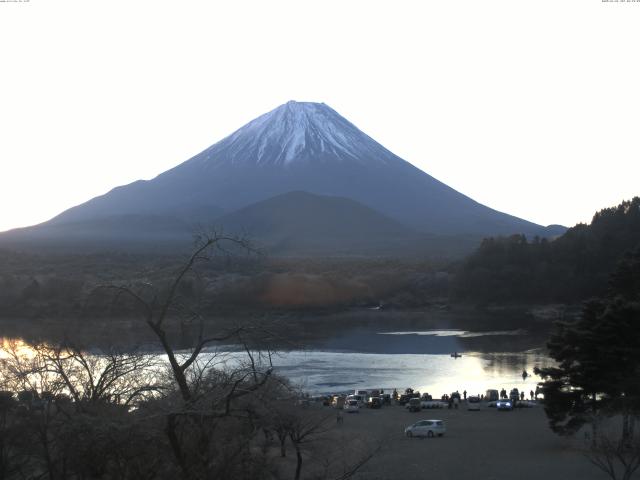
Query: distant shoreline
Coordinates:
[305,329]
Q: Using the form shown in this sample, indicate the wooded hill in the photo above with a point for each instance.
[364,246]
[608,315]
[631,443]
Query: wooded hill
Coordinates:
[571,268]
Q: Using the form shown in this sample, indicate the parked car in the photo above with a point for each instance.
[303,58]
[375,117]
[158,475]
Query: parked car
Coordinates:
[514,396]
[433,404]
[426,428]
[374,402]
[405,397]
[386,398]
[491,395]
[359,398]
[352,406]
[414,404]
[504,404]
[473,403]
[364,395]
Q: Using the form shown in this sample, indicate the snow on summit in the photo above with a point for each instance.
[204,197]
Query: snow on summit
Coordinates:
[301,147]
[297,132]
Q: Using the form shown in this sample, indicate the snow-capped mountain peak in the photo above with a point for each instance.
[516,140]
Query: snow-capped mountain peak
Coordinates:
[302,147]
[297,132]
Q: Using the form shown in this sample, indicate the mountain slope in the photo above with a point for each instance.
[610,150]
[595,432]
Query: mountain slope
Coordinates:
[367,197]
[125,232]
[300,222]
[305,147]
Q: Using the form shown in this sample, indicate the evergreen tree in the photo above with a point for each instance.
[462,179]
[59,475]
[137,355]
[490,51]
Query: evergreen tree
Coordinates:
[598,372]
[571,268]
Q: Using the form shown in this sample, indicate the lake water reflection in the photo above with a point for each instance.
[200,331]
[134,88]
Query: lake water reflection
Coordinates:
[399,359]
[418,359]
[317,371]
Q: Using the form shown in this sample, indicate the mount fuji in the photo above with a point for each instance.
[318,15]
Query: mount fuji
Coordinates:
[298,147]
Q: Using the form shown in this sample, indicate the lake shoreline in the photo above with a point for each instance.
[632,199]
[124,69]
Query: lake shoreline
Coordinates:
[286,330]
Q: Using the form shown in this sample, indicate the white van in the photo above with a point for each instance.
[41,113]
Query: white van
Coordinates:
[364,395]
[351,406]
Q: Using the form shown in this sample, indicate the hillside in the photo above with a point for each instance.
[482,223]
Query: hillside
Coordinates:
[303,223]
[571,268]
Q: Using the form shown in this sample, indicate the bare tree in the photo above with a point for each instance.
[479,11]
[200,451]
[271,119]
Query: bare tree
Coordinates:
[157,307]
[305,429]
[72,410]
[22,370]
[197,414]
[101,377]
[13,458]
[616,453]
[209,396]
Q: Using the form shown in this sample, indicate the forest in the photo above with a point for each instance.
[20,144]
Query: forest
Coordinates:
[44,292]
[569,269]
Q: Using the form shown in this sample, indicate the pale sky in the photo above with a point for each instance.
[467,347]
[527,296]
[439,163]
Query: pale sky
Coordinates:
[530,107]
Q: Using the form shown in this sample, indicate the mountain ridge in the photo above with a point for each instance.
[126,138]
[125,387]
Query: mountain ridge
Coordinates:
[302,146]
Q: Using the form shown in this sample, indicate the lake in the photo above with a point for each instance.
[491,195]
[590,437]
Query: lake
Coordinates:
[366,358]
[418,359]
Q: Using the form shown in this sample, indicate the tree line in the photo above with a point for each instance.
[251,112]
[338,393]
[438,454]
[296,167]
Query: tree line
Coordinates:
[571,268]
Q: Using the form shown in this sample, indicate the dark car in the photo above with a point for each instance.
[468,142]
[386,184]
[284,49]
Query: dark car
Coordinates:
[374,402]
[415,404]
[405,397]
[491,395]
[514,396]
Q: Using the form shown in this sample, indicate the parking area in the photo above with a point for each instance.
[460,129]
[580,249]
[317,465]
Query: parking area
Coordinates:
[484,445]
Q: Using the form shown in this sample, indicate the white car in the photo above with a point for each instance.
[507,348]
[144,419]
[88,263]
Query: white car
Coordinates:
[359,398]
[426,428]
[352,406]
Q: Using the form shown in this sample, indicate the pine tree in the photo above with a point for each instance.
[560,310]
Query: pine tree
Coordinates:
[598,372]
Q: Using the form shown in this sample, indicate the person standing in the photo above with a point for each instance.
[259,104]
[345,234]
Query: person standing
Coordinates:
[464,394]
